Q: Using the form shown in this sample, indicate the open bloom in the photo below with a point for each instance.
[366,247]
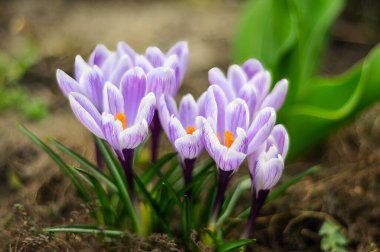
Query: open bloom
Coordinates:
[183,126]
[251,83]
[127,112]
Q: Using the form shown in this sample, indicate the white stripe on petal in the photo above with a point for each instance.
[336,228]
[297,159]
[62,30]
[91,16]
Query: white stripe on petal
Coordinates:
[66,83]
[189,146]
[277,97]
[111,130]
[146,108]
[237,115]
[113,102]
[176,129]
[132,137]
[236,77]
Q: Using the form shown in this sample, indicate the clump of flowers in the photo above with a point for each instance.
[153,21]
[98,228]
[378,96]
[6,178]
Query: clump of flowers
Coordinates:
[122,96]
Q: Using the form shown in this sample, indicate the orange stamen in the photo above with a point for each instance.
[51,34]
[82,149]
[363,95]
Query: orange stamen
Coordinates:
[190,130]
[122,118]
[228,138]
[219,138]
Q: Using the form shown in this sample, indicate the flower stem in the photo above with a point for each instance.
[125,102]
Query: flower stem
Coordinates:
[156,129]
[126,159]
[257,203]
[224,179]
[187,169]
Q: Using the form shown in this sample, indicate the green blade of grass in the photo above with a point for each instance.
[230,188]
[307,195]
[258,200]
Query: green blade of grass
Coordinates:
[67,170]
[233,245]
[85,163]
[83,229]
[152,170]
[120,182]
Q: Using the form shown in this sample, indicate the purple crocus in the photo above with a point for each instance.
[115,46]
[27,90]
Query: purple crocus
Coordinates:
[266,165]
[183,128]
[127,113]
[251,83]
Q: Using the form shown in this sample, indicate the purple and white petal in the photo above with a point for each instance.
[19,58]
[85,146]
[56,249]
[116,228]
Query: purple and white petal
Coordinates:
[113,102]
[277,97]
[111,129]
[160,81]
[66,83]
[201,104]
[99,56]
[189,146]
[155,56]
[172,62]
[92,82]
[236,77]
[146,108]
[79,67]
[86,113]
[249,94]
[240,143]
[210,139]
[261,81]
[109,65]
[123,65]
[260,128]
[268,172]
[142,62]
[181,50]
[188,110]
[216,77]
[166,108]
[281,138]
[176,129]
[237,115]
[215,107]
[251,67]
[131,137]
[228,159]
[133,89]
[123,48]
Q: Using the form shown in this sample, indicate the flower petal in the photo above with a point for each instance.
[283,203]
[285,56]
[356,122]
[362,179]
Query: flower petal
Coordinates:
[181,50]
[261,81]
[189,146]
[215,107]
[123,48]
[249,94]
[252,67]
[166,108]
[268,173]
[113,102]
[277,97]
[172,62]
[188,110]
[111,129]
[146,108]
[236,77]
[86,113]
[237,115]
[216,77]
[123,65]
[132,137]
[281,138]
[161,80]
[80,66]
[66,83]
[176,129]
[99,55]
[91,82]
[240,143]
[155,56]
[142,62]
[201,104]
[133,89]
[261,128]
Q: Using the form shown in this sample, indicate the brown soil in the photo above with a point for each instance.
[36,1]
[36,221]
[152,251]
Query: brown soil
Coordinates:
[346,190]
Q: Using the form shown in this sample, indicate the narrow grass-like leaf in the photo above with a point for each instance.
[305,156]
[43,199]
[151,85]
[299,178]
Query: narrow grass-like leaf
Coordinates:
[120,182]
[95,171]
[152,170]
[83,229]
[233,245]
[67,170]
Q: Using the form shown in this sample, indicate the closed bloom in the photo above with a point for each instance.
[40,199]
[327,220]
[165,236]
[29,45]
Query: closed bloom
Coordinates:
[251,83]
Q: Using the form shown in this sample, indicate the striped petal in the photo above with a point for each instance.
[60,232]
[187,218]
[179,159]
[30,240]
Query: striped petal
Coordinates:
[146,109]
[80,67]
[91,82]
[123,48]
[215,107]
[133,89]
[176,129]
[251,67]
[86,113]
[155,56]
[181,50]
[261,81]
[132,137]
[66,83]
[216,77]
[123,65]
[188,110]
[249,94]
[166,108]
[189,146]
[277,97]
[99,55]
[161,80]
[281,139]
[237,115]
[113,102]
[111,129]
[236,77]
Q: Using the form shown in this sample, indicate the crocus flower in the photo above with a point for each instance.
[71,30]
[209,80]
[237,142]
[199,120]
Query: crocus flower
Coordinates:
[251,83]
[266,165]
[183,129]
[127,113]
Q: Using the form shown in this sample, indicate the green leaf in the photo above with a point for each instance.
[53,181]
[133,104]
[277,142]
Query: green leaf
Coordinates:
[152,170]
[186,218]
[234,245]
[116,172]
[85,229]
[67,170]
[95,171]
